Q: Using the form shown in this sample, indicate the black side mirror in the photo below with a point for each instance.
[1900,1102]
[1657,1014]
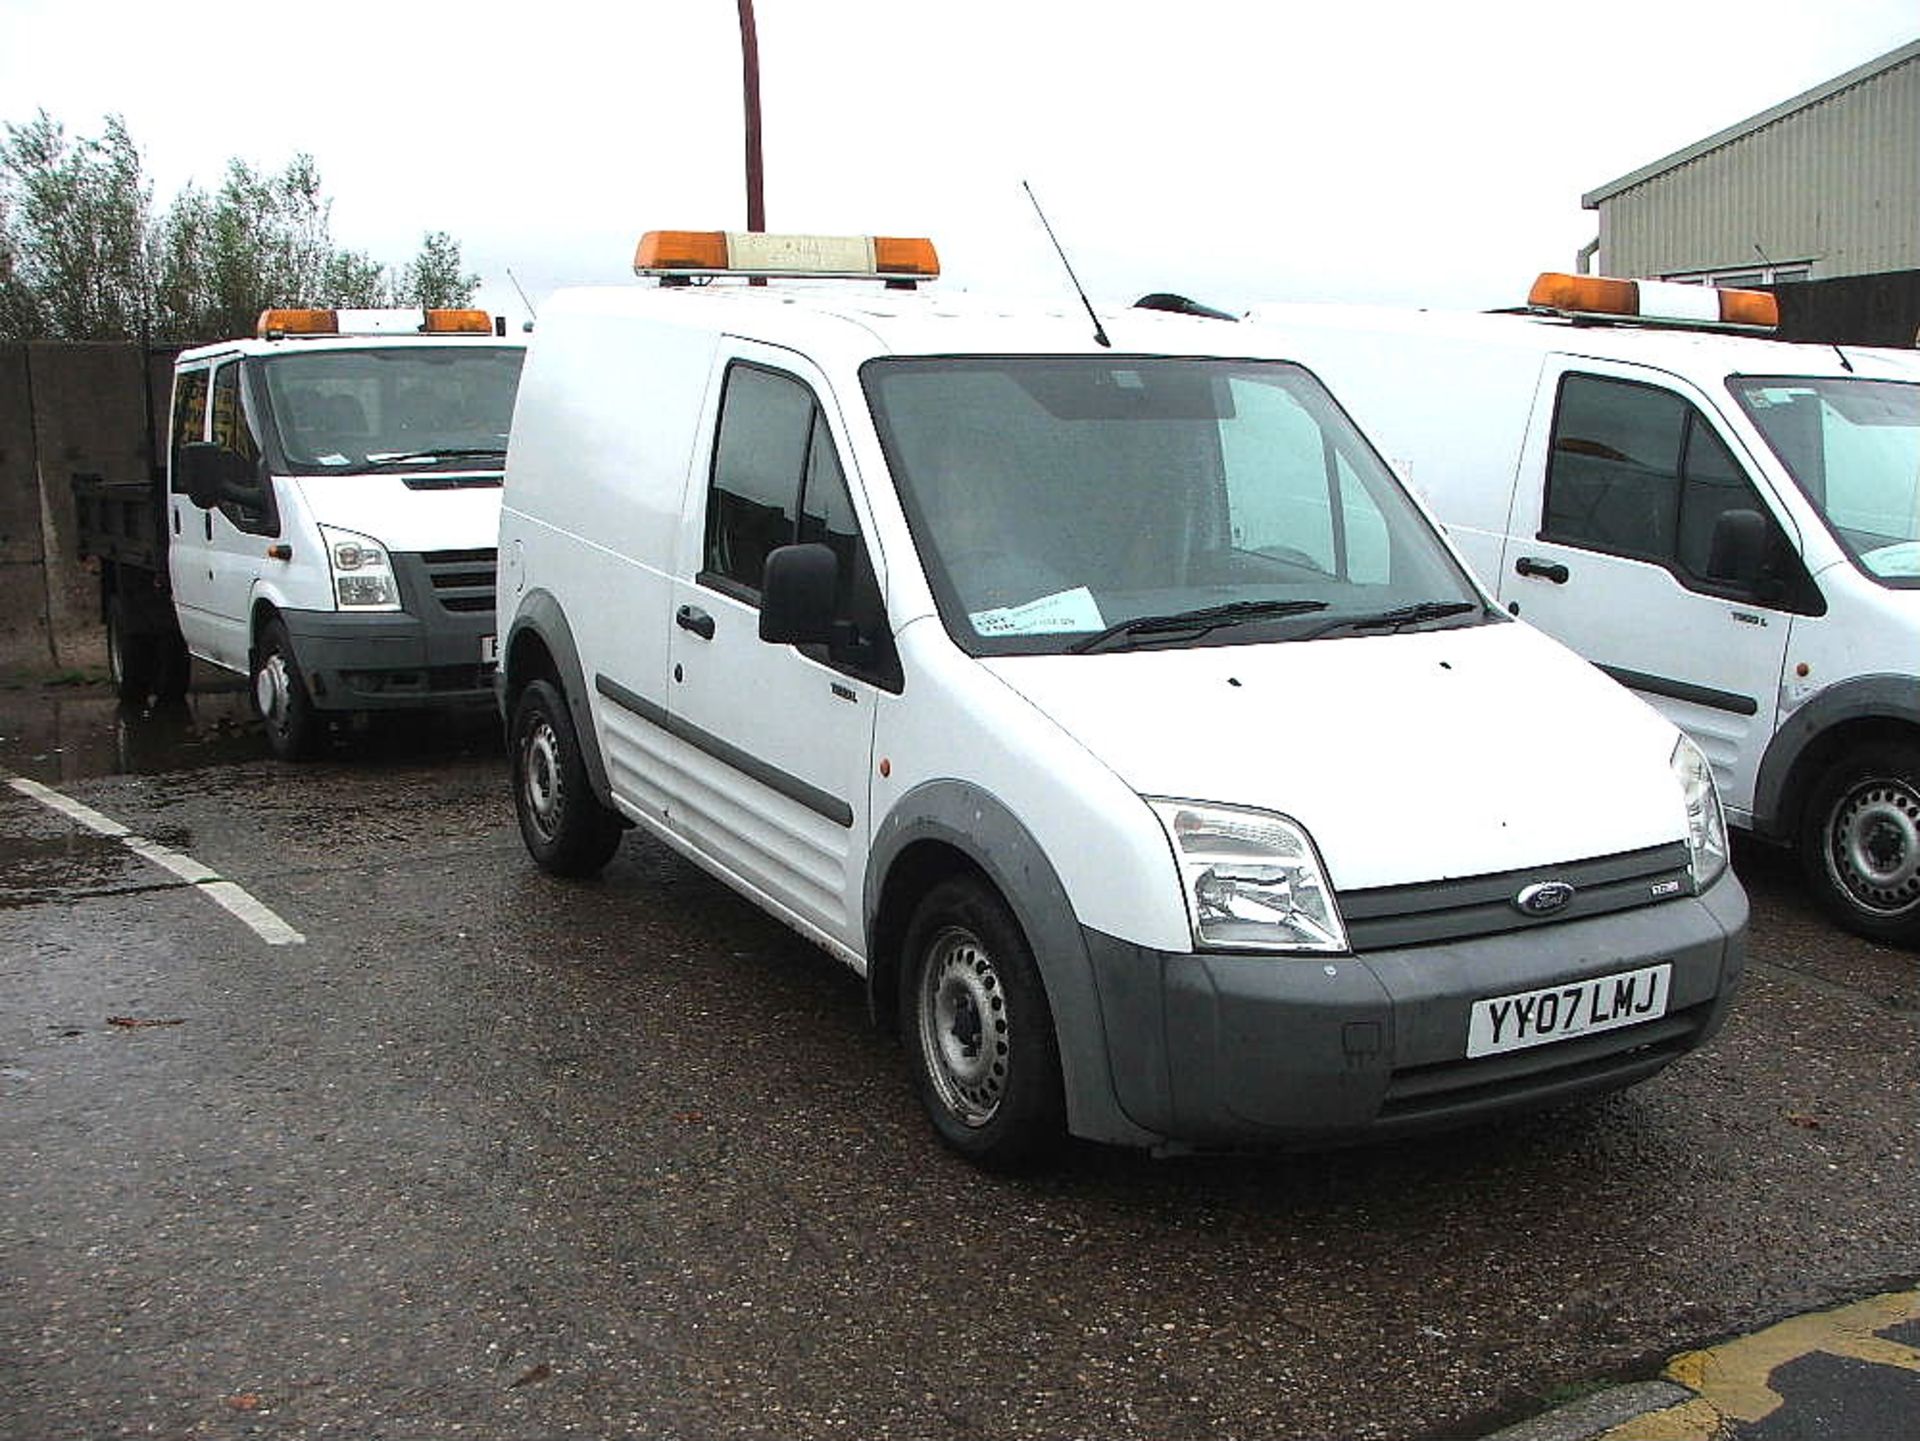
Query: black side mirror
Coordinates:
[797,594]
[1737,550]
[212,475]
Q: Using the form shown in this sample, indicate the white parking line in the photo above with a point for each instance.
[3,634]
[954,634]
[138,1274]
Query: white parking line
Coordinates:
[223,893]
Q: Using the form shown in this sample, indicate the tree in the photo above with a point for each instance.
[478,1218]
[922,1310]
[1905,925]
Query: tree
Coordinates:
[434,278]
[82,257]
[75,218]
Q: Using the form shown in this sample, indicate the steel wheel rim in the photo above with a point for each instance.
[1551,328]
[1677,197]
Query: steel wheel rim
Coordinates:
[540,778]
[964,1032]
[271,688]
[1873,846]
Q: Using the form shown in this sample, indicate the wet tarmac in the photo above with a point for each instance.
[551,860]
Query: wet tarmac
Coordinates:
[495,1155]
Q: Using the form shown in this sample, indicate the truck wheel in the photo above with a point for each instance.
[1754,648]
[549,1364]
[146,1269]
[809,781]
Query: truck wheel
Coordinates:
[173,669]
[294,727]
[567,830]
[1860,844]
[132,657]
[979,1032]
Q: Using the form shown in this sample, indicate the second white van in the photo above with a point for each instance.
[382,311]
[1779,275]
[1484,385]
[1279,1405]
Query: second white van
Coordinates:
[1727,524]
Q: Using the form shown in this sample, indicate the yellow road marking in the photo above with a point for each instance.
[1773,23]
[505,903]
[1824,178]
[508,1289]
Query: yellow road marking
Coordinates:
[1732,1381]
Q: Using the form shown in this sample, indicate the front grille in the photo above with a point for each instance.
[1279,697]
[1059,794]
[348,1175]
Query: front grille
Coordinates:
[1597,1062]
[462,580]
[1429,912]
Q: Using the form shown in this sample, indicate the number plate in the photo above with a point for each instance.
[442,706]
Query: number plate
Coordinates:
[489,651]
[1559,1013]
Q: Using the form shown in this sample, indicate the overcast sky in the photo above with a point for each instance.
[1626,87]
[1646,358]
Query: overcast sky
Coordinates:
[1351,150]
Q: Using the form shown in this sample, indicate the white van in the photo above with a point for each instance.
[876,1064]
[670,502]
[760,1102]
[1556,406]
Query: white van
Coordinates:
[332,501]
[1101,699]
[1727,524]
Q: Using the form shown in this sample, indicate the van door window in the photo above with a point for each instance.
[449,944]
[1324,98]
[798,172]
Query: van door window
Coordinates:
[189,419]
[759,460]
[234,431]
[777,480]
[1637,471]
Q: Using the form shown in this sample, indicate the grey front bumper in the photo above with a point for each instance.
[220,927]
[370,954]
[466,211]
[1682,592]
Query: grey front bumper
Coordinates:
[1263,1050]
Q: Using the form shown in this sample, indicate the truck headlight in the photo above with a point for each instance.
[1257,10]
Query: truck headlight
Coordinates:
[1252,880]
[1706,826]
[362,576]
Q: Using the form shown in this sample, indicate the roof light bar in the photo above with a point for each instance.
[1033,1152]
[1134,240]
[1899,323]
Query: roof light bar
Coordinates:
[1654,302]
[279,324]
[684,253]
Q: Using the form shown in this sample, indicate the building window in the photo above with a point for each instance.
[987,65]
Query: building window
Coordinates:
[1748,276]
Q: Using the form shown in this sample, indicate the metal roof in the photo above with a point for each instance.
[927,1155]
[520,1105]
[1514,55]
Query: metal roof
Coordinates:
[1891,60]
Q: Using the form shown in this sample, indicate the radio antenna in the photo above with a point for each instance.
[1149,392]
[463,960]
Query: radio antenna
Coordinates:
[522,294]
[1098,333]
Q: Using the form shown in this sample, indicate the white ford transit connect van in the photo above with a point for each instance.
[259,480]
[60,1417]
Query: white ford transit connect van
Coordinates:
[1727,524]
[1104,702]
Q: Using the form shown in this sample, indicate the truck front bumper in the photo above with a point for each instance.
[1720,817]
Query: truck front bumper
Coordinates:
[1237,1050]
[393,660]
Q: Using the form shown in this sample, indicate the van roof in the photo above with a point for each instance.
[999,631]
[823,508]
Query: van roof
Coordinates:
[855,320]
[1695,352]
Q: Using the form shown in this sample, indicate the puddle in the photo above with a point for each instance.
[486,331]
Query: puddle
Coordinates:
[57,733]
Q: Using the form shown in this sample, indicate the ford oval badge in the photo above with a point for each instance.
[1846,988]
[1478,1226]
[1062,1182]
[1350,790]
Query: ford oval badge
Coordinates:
[1543,898]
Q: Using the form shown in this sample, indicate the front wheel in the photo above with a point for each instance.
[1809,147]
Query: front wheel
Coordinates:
[979,1033]
[1860,845]
[566,828]
[294,727]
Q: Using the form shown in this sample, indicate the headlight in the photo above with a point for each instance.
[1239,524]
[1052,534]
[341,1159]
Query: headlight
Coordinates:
[362,578]
[1706,826]
[1252,880]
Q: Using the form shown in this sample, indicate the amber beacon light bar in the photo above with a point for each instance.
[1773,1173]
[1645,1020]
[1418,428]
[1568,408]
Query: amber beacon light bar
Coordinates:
[1653,302]
[685,253]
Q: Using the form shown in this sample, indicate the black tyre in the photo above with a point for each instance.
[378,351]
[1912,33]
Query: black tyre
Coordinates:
[1860,844]
[294,728]
[567,829]
[173,669]
[978,1030]
[133,657]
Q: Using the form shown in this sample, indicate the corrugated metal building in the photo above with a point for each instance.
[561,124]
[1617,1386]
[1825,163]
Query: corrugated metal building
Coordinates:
[1826,184]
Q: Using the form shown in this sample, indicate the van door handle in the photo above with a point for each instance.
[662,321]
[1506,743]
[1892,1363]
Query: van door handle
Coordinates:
[691,617]
[1546,569]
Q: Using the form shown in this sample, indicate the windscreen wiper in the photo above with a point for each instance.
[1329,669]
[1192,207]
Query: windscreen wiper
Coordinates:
[1395,619]
[443,452]
[1198,622]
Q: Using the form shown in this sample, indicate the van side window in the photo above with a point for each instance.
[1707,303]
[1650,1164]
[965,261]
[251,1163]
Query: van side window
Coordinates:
[1637,471]
[189,418]
[759,460]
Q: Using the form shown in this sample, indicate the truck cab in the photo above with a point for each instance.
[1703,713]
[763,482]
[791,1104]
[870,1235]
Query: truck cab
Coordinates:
[332,496]
[1726,524]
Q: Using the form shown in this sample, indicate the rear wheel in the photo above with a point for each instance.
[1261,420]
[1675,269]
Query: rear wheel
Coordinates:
[132,656]
[294,727]
[566,828]
[1860,845]
[979,1032]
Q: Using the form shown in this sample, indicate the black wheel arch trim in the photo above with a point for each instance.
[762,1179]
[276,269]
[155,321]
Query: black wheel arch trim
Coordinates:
[978,826]
[541,614]
[1868,697]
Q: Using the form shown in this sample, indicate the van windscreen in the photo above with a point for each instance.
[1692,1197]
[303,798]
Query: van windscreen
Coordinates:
[1159,501]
